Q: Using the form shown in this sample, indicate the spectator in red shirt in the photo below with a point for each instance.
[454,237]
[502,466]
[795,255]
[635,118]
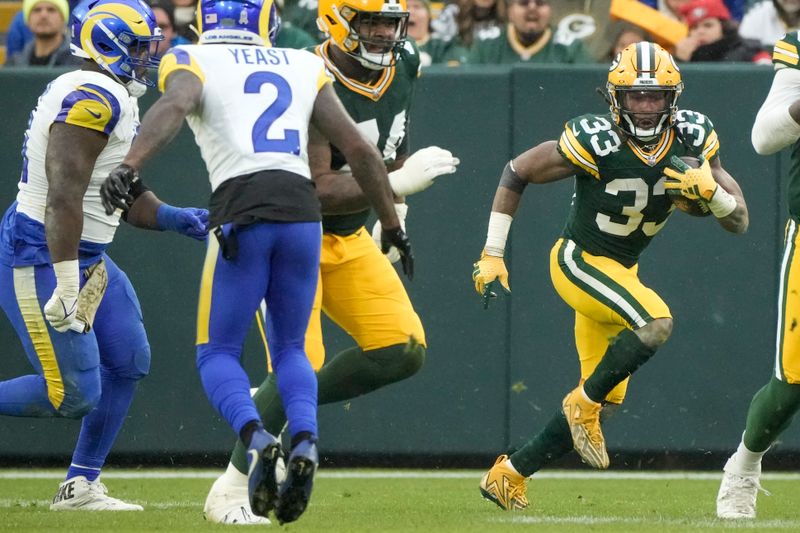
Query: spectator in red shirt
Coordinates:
[714,36]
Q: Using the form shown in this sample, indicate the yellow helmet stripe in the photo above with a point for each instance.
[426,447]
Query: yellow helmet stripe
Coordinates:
[263,21]
[126,13]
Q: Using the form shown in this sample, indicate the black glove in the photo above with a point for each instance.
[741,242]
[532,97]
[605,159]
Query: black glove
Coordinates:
[114,192]
[397,237]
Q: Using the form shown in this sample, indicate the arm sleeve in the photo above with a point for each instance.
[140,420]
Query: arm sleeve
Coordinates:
[774,128]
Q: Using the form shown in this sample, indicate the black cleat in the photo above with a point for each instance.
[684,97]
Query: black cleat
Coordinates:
[295,492]
[262,457]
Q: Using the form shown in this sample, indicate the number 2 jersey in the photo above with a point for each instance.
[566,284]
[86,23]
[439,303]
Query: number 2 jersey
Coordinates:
[251,126]
[620,202]
[85,99]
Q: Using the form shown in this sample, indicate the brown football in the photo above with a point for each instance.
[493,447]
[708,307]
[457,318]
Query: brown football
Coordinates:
[691,207]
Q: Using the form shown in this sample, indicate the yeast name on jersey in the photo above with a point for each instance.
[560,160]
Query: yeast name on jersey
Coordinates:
[252,128]
[259,56]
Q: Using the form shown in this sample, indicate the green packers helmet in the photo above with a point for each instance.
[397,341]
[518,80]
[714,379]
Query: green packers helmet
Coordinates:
[349,24]
[643,66]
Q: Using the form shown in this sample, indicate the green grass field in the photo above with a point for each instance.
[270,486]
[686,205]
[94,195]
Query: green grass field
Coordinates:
[434,501]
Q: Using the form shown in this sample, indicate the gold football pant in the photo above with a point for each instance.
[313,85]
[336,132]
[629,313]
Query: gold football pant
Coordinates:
[607,297]
[361,292]
[787,345]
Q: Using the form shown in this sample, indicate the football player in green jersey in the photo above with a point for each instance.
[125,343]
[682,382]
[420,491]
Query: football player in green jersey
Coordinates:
[777,126]
[619,161]
[375,69]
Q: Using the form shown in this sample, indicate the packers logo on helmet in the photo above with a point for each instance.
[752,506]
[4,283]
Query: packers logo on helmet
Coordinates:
[238,21]
[371,31]
[120,36]
[643,67]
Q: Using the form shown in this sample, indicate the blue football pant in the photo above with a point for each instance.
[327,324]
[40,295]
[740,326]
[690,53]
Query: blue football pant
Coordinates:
[277,262]
[91,376]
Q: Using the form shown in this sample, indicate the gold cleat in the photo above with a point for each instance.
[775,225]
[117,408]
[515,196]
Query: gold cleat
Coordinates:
[505,487]
[583,418]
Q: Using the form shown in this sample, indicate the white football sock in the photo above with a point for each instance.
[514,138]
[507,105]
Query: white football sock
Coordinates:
[744,462]
[234,478]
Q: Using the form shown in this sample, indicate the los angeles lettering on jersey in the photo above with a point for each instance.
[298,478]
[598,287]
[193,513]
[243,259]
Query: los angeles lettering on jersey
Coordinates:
[259,56]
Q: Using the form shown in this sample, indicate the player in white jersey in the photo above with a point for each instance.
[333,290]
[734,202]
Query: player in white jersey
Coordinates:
[250,107]
[89,347]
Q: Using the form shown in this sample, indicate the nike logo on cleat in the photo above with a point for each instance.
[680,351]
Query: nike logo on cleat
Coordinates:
[253,460]
[65,492]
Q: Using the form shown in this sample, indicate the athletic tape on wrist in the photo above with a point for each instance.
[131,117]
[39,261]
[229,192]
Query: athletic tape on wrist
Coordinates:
[499,225]
[722,203]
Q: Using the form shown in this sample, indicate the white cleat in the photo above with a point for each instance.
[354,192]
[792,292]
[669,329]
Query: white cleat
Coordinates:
[227,503]
[80,494]
[736,499]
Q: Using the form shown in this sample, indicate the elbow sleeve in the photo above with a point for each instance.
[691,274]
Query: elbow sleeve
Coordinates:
[774,129]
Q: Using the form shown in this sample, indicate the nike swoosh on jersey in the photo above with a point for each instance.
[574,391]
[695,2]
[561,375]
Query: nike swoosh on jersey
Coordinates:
[95,115]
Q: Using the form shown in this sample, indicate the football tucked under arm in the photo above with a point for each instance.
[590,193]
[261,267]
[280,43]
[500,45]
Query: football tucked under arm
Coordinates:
[695,208]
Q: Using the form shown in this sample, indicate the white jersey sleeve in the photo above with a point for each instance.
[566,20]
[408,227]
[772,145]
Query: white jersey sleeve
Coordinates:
[255,106]
[90,100]
[774,128]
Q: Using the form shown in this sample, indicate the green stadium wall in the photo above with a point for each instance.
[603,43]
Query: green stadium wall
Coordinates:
[492,377]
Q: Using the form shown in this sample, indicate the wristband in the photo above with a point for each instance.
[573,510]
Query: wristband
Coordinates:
[167,217]
[722,203]
[499,224]
[68,277]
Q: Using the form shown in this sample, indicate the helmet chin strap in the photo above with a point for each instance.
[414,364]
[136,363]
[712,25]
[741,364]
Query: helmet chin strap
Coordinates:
[372,60]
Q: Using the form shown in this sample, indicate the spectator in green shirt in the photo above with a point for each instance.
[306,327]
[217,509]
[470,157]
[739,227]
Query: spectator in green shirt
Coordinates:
[431,49]
[527,38]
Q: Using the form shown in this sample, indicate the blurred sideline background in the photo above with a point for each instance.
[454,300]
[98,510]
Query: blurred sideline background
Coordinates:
[492,378]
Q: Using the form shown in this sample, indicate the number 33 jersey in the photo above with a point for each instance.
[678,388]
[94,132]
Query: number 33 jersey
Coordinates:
[620,202]
[255,107]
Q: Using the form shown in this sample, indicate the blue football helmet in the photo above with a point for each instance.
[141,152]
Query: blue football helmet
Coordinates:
[238,21]
[119,35]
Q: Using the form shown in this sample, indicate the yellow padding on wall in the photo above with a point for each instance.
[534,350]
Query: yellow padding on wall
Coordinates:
[666,31]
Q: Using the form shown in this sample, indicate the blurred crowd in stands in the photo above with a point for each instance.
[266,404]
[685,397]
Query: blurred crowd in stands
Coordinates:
[33,33]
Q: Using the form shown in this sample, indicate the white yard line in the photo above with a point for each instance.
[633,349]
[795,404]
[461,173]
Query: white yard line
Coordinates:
[393,474]
[792,525]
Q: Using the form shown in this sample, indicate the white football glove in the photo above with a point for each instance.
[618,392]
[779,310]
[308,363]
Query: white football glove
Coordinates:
[393,254]
[60,309]
[420,169]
